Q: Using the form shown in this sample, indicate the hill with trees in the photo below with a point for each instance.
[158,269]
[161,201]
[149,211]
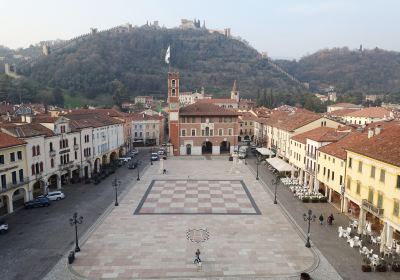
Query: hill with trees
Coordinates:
[352,72]
[124,65]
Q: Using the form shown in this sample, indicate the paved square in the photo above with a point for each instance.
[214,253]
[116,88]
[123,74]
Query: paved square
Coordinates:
[197,197]
[143,246]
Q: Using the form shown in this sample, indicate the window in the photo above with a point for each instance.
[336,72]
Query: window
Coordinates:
[333,175]
[371,195]
[33,169]
[360,166]
[348,183]
[61,144]
[41,166]
[324,170]
[358,187]
[19,155]
[173,92]
[52,163]
[329,173]
[34,151]
[21,175]
[383,174]
[51,146]
[229,131]
[1,159]
[398,182]
[396,207]
[193,119]
[173,83]
[380,200]
[37,169]
[74,140]
[372,171]
[183,132]
[76,155]
[333,160]
[350,162]
[12,157]
[341,180]
[3,181]
[14,177]
[193,132]
[203,119]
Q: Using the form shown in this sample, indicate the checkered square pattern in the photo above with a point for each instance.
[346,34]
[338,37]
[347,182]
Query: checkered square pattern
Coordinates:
[197,197]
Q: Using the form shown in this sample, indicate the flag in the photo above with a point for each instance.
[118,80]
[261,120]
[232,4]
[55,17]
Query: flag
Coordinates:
[168,55]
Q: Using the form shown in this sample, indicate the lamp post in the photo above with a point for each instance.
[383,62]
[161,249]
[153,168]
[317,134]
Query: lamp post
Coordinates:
[151,161]
[75,220]
[115,184]
[138,178]
[310,217]
[275,181]
[257,163]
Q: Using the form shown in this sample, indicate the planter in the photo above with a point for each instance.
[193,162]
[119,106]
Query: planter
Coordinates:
[314,199]
[305,199]
[323,199]
[366,268]
[396,267]
[381,268]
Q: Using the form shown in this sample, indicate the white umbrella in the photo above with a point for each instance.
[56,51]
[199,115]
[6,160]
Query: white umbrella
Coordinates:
[383,239]
[369,227]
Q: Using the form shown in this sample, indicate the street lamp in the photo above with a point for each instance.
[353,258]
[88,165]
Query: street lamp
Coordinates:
[257,163]
[151,161]
[138,178]
[115,184]
[275,181]
[309,217]
[75,220]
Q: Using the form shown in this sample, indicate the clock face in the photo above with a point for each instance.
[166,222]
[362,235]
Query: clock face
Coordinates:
[173,105]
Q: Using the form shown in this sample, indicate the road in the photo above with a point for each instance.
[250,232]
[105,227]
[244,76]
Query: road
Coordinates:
[38,238]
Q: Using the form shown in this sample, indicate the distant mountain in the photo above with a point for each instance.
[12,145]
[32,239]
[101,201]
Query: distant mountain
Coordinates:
[134,63]
[366,71]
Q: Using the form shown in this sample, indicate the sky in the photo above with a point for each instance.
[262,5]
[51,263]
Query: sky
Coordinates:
[282,28]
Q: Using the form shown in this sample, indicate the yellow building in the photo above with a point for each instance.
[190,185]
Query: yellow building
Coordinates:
[373,180]
[13,173]
[281,126]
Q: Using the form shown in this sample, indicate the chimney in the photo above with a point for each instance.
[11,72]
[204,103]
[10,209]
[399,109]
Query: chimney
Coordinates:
[370,132]
[378,129]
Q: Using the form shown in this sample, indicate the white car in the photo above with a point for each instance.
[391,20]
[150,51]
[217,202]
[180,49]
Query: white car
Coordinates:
[3,227]
[161,152]
[56,195]
[124,159]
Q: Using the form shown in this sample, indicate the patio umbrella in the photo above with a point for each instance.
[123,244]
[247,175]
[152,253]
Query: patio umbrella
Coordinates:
[368,227]
[292,173]
[316,184]
[301,177]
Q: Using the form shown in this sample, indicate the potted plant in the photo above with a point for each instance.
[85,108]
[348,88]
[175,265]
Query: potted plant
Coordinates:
[305,199]
[381,268]
[366,268]
[396,267]
[314,199]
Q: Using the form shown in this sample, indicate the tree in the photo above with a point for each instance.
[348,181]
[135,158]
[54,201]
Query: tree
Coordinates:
[58,97]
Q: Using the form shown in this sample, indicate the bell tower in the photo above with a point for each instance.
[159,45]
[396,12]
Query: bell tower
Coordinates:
[173,109]
[235,92]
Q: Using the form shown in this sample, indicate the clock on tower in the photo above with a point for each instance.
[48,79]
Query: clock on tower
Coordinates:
[173,106]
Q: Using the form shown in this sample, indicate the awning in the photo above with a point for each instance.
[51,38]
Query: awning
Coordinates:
[280,164]
[265,152]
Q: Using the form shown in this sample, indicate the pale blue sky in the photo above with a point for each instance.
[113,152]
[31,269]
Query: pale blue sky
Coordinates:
[283,28]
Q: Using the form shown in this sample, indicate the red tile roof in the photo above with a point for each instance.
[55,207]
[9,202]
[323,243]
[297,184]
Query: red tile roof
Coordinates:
[203,109]
[341,112]
[107,112]
[144,117]
[338,149]
[345,105]
[79,121]
[9,141]
[290,121]
[27,130]
[320,134]
[384,147]
[371,112]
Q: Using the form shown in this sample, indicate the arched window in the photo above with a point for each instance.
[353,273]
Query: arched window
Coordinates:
[33,169]
[52,163]
[173,83]
[37,150]
[66,142]
[37,170]
[41,166]
[33,151]
[173,92]
[61,142]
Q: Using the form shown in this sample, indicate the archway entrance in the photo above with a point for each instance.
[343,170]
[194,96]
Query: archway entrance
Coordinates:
[246,137]
[224,147]
[239,138]
[52,182]
[19,197]
[3,205]
[38,188]
[113,157]
[97,165]
[206,148]
[104,160]
[188,149]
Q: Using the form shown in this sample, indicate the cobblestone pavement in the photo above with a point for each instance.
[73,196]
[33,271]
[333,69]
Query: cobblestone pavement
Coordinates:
[126,246]
[346,261]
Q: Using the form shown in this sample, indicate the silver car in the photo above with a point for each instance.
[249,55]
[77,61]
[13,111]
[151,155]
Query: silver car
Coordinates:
[56,195]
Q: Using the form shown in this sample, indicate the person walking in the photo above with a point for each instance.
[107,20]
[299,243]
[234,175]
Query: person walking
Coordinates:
[197,259]
[330,219]
[321,219]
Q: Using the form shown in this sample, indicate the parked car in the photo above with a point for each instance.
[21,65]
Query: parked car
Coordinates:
[38,202]
[124,159]
[132,165]
[56,195]
[3,227]
[154,156]
[161,152]
[134,151]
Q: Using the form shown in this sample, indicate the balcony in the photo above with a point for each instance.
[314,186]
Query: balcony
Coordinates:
[52,153]
[372,208]
[11,185]
[76,147]
[66,166]
[312,155]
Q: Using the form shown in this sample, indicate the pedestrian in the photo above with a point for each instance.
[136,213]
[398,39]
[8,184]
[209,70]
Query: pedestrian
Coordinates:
[164,171]
[321,219]
[330,219]
[197,260]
